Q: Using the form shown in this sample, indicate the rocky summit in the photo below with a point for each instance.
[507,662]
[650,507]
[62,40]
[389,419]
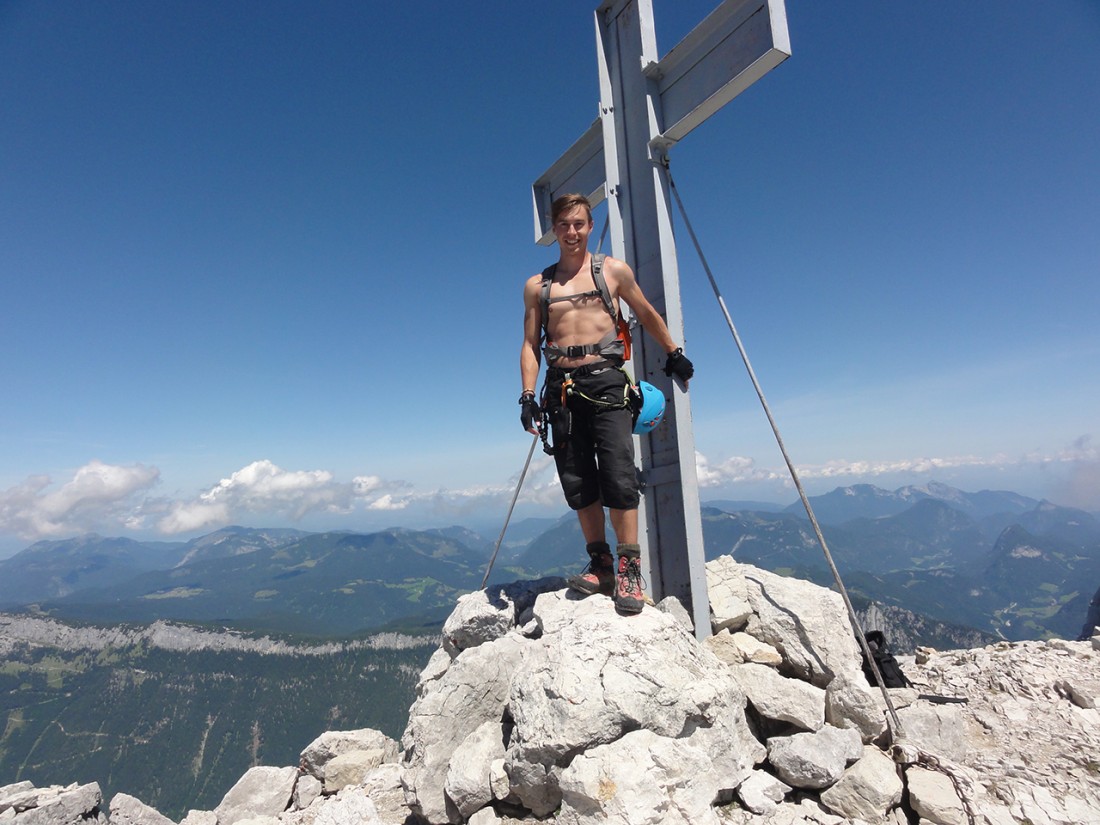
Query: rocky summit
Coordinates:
[543,706]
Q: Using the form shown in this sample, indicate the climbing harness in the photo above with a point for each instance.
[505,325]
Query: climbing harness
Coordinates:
[646,403]
[615,344]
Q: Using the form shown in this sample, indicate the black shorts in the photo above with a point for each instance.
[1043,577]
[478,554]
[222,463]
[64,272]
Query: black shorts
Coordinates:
[594,448]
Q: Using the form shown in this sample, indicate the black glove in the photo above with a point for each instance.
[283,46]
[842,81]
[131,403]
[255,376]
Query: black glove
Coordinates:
[678,364]
[529,411]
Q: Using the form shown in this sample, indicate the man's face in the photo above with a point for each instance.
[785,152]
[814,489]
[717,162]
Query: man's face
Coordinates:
[572,229]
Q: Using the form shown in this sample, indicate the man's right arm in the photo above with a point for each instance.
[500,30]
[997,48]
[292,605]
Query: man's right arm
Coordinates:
[532,331]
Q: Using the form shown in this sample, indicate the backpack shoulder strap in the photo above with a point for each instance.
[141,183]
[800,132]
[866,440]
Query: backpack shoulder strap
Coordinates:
[544,298]
[601,284]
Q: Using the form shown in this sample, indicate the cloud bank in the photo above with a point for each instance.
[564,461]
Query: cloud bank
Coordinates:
[111,498]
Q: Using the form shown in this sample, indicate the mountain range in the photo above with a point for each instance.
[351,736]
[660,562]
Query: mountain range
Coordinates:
[995,561]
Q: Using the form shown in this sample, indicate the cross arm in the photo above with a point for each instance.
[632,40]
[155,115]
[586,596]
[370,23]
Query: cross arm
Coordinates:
[736,45]
[580,169]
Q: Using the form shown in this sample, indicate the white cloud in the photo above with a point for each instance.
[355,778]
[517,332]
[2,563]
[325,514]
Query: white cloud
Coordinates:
[264,487]
[99,496]
[731,471]
[113,498]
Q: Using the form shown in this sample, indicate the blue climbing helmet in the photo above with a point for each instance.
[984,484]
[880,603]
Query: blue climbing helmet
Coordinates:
[651,409]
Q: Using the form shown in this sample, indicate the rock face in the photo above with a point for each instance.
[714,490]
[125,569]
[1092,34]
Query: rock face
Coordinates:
[576,678]
[540,706]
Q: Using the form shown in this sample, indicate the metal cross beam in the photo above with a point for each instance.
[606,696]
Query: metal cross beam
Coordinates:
[646,106]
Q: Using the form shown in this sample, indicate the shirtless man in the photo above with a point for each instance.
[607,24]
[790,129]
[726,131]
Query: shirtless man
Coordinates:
[593,444]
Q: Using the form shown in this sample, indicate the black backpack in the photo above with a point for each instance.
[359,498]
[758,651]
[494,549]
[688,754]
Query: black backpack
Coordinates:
[888,666]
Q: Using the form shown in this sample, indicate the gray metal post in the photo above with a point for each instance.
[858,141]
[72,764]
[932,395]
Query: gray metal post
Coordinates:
[641,224]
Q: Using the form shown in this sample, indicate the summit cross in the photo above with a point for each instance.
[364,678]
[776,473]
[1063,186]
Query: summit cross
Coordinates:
[646,106]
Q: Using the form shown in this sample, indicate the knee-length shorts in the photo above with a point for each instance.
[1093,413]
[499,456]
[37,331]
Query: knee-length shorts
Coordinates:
[593,442]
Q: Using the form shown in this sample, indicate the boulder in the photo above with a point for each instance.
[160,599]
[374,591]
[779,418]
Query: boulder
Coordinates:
[806,623]
[639,778]
[348,769]
[306,790]
[936,729]
[262,791]
[866,790]
[1081,690]
[851,703]
[814,760]
[761,793]
[595,676]
[932,795]
[383,786]
[469,776]
[729,601]
[63,806]
[334,743]
[783,700]
[200,818]
[349,807]
[756,651]
[474,689]
[128,810]
[17,795]
[479,618]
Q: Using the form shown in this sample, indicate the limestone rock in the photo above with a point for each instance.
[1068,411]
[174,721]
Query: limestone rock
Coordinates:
[784,700]
[806,623]
[128,810]
[16,795]
[761,793]
[851,703]
[640,778]
[595,676]
[306,789]
[349,807]
[62,806]
[932,795]
[1029,749]
[814,760]
[474,689]
[499,783]
[383,786]
[436,667]
[675,608]
[348,769]
[721,644]
[756,651]
[200,818]
[866,790]
[729,601]
[468,785]
[937,729]
[262,791]
[334,743]
[479,618]
[1082,691]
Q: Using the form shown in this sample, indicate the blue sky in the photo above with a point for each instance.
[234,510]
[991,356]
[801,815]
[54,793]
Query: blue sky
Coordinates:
[261,263]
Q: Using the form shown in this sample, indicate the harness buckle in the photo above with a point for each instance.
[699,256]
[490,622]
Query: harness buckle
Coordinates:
[576,351]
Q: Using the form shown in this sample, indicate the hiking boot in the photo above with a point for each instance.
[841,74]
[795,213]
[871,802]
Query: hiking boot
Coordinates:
[599,576]
[629,584]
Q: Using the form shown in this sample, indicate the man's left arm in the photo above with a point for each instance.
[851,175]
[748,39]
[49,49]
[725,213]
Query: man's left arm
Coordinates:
[628,290]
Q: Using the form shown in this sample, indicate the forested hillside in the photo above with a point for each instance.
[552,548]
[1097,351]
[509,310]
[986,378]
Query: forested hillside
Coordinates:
[172,727]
